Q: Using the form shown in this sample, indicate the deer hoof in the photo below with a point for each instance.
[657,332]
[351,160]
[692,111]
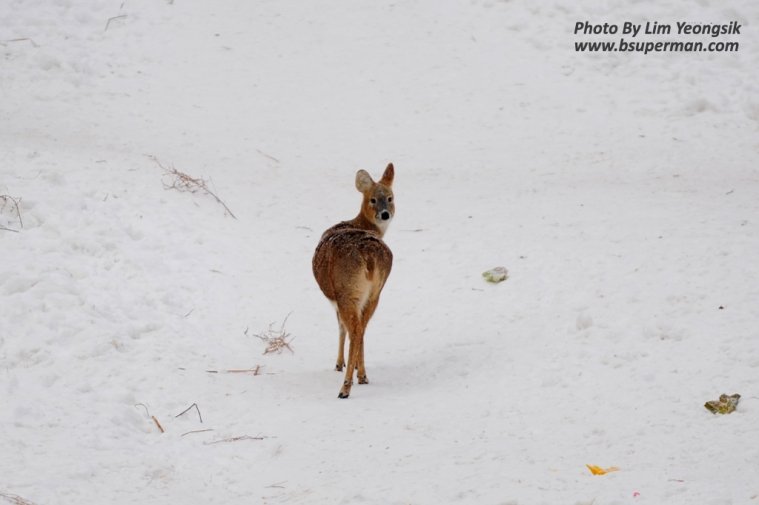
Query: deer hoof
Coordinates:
[362,379]
[346,389]
[339,367]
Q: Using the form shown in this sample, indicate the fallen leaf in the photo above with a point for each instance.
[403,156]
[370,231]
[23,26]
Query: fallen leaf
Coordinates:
[597,470]
[724,405]
[496,274]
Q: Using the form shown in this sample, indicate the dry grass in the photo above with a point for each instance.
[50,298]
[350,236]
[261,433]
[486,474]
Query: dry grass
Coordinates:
[20,40]
[9,201]
[277,340]
[254,371]
[187,184]
[16,499]
[235,439]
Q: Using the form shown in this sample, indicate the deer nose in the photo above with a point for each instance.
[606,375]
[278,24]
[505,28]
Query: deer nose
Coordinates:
[385,215]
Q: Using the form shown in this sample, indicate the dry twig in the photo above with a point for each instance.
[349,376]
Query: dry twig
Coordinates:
[15,499]
[278,484]
[146,407]
[188,408]
[270,157]
[13,202]
[276,341]
[111,19]
[196,431]
[158,424]
[147,412]
[187,184]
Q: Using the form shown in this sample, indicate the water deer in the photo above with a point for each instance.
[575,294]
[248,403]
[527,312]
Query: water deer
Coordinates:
[351,265]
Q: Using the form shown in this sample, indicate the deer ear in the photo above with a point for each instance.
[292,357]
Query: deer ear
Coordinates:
[364,181]
[387,177]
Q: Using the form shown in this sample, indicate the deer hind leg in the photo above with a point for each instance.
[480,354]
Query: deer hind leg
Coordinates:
[362,379]
[366,315]
[352,321]
[341,346]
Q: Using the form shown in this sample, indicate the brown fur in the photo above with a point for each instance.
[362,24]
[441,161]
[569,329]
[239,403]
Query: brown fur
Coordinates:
[351,265]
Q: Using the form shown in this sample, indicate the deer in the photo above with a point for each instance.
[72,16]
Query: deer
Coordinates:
[351,265]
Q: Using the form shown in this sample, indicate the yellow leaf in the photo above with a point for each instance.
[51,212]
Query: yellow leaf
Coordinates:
[597,470]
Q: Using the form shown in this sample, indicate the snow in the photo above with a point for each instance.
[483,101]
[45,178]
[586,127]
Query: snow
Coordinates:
[620,190]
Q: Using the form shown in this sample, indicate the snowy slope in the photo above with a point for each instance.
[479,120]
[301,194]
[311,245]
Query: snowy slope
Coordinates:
[620,190]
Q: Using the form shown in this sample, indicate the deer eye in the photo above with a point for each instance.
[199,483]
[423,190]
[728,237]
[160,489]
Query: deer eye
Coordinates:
[390,199]
[373,200]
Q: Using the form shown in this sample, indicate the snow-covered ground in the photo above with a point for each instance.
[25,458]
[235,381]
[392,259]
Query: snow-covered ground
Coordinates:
[621,190]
